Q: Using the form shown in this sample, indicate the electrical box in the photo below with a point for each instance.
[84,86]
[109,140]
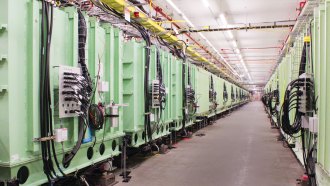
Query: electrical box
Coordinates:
[155,94]
[305,122]
[61,135]
[114,110]
[103,86]
[69,105]
[313,124]
[303,108]
[152,117]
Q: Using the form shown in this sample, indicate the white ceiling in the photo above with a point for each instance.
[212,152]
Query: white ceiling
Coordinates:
[259,48]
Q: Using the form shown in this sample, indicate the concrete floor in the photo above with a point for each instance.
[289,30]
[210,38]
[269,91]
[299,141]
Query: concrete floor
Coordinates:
[239,150]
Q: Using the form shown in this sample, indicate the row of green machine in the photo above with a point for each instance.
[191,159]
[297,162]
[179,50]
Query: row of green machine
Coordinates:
[74,92]
[297,97]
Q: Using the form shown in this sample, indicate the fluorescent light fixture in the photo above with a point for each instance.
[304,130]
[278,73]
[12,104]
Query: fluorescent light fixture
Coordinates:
[234,44]
[241,58]
[230,35]
[180,12]
[245,68]
[208,42]
[206,3]
[174,6]
[237,51]
[187,20]
[202,35]
[250,78]
[223,19]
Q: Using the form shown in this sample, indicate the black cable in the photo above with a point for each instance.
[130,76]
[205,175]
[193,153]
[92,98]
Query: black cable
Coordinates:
[95,117]
[82,127]
[212,94]
[232,94]
[184,100]
[225,93]
[46,125]
[292,102]
[162,91]
[87,89]
[43,133]
[145,35]
[49,94]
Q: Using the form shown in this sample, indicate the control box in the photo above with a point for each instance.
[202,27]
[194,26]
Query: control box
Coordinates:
[61,135]
[155,94]
[69,105]
[304,98]
[313,124]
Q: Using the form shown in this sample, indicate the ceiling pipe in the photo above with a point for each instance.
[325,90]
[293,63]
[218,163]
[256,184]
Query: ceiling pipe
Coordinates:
[190,30]
[257,48]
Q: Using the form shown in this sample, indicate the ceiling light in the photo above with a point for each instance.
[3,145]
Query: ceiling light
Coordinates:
[241,58]
[187,20]
[230,35]
[223,19]
[206,3]
[234,44]
[250,78]
[174,6]
[180,12]
[208,42]
[237,51]
[202,35]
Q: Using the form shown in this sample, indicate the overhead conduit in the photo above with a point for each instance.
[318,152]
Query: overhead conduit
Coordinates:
[145,21]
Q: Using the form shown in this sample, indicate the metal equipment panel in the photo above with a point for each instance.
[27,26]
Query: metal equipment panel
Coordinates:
[19,90]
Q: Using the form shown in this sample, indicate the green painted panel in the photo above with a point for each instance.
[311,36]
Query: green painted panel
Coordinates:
[190,74]
[133,67]
[326,77]
[19,84]
[218,85]
[133,90]
[176,92]
[103,41]
[202,91]
[166,67]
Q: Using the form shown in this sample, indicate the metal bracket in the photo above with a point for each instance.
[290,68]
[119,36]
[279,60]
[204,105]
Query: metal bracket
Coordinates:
[3,27]
[3,88]
[111,116]
[3,57]
[116,105]
[48,138]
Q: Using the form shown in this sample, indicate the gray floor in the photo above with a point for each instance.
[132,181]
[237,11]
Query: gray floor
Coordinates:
[239,150]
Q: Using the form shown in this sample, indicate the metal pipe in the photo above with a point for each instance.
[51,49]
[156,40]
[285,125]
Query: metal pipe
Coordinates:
[190,30]
[255,48]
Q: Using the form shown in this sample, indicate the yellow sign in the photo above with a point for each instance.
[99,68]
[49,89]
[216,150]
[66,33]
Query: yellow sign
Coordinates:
[307,39]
